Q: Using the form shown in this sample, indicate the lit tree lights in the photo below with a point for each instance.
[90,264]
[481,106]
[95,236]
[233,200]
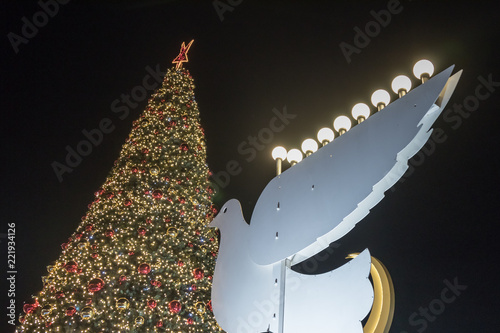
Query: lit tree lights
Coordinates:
[142,258]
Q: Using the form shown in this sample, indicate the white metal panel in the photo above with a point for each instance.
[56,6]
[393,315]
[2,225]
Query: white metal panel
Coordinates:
[325,189]
[333,302]
[245,297]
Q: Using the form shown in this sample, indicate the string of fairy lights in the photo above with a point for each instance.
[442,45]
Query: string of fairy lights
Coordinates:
[401,84]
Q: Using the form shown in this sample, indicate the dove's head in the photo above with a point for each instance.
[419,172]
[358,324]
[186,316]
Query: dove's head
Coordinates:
[228,215]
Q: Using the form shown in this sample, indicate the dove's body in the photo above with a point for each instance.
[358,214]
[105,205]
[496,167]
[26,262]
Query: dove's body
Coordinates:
[246,296]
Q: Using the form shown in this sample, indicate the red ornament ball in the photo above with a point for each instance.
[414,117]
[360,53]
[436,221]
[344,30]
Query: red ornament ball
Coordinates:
[141,231]
[71,267]
[198,273]
[109,233]
[184,146]
[209,305]
[78,236]
[29,308]
[122,278]
[94,255]
[70,311]
[95,285]
[127,202]
[151,303]
[182,200]
[190,321]
[159,323]
[144,269]
[180,263]
[60,294]
[64,246]
[89,227]
[157,194]
[174,306]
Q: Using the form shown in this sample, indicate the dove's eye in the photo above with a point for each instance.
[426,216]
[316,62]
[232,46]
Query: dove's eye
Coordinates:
[225,210]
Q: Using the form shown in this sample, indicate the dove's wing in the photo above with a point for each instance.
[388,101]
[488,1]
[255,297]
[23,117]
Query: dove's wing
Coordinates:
[333,302]
[321,198]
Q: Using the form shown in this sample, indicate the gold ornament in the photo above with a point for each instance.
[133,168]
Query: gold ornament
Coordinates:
[172,231]
[82,245]
[122,303]
[154,171]
[200,307]
[50,268]
[87,313]
[139,321]
[46,310]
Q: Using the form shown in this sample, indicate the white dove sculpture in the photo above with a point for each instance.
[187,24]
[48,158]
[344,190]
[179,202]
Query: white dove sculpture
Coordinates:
[303,210]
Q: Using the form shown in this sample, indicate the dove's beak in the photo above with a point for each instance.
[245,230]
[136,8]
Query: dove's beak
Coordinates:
[214,223]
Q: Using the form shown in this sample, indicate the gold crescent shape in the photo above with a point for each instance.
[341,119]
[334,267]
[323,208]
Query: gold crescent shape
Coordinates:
[382,312]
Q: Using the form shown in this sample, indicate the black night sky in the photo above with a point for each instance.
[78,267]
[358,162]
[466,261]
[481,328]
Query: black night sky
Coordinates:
[439,223]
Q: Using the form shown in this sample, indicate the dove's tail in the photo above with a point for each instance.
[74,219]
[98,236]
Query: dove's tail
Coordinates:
[382,312]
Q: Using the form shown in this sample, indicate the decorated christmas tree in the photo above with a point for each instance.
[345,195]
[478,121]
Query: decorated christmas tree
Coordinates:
[142,257]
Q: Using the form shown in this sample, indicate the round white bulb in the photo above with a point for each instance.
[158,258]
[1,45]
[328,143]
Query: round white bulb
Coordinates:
[279,152]
[423,67]
[360,110]
[325,134]
[294,155]
[401,82]
[342,122]
[309,145]
[380,96]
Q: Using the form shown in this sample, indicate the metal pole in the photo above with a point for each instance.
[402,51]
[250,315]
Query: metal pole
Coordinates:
[284,264]
[278,166]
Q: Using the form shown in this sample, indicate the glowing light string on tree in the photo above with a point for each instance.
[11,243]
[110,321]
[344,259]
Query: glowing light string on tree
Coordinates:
[141,257]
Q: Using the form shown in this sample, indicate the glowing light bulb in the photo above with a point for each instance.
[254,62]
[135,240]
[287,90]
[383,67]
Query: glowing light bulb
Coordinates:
[342,124]
[401,85]
[423,70]
[380,99]
[294,156]
[309,146]
[360,112]
[279,154]
[325,135]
